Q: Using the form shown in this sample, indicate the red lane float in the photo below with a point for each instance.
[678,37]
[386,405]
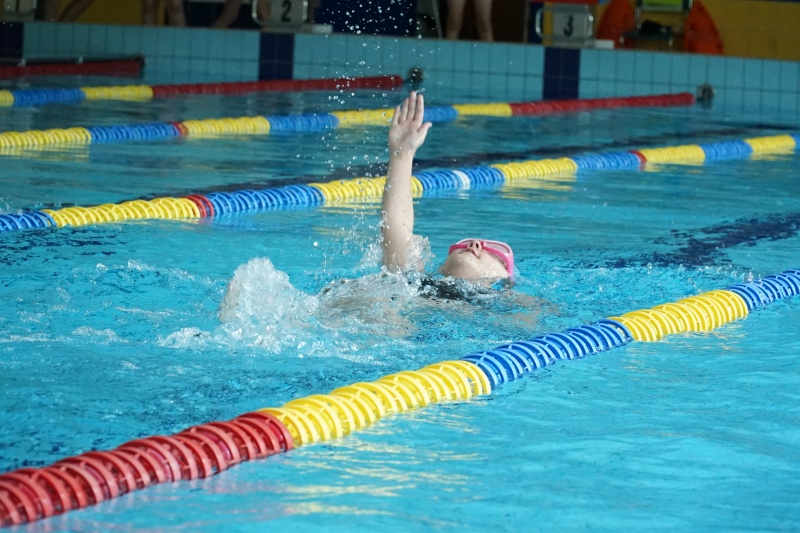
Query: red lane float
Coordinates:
[30,494]
[203,204]
[326,84]
[116,67]
[565,106]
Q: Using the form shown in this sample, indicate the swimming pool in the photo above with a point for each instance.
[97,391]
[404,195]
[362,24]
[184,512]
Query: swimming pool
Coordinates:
[110,332]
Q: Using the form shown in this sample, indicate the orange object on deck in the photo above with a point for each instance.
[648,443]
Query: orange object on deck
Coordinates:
[617,19]
[701,35]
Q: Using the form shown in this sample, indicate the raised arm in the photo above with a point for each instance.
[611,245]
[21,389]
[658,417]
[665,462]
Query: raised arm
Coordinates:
[406,134]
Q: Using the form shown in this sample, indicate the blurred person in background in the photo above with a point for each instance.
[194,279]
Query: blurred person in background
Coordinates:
[483,18]
[49,10]
[175,14]
[232,8]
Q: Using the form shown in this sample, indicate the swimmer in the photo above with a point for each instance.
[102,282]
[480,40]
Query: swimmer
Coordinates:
[472,267]
[477,261]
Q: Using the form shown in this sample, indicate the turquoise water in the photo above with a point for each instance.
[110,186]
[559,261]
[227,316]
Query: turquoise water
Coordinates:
[111,332]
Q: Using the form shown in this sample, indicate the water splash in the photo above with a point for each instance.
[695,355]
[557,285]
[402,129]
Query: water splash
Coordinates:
[262,308]
[262,297]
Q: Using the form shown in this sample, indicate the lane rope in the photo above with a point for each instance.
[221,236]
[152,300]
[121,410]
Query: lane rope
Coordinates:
[312,122]
[144,93]
[425,183]
[88,67]
[31,494]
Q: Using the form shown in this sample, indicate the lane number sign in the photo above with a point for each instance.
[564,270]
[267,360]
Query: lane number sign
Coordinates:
[572,26]
[288,12]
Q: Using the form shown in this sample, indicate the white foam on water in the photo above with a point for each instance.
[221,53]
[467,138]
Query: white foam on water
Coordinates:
[262,307]
[259,290]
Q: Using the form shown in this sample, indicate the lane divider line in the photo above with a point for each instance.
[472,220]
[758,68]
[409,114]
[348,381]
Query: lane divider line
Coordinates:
[144,93]
[160,131]
[87,67]
[424,183]
[31,494]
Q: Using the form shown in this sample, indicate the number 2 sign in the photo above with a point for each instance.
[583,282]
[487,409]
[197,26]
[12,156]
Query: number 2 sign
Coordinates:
[288,12]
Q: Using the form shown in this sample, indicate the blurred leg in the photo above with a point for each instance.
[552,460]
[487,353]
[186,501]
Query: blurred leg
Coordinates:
[483,16]
[175,14]
[49,10]
[263,10]
[230,12]
[74,10]
[149,17]
[455,17]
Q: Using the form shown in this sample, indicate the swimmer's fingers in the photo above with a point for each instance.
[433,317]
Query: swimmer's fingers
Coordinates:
[396,117]
[419,110]
[403,112]
[423,130]
[412,106]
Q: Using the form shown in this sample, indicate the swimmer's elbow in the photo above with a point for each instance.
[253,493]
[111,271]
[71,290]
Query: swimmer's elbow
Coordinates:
[392,262]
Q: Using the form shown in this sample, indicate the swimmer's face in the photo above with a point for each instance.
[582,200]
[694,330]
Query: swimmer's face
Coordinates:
[473,264]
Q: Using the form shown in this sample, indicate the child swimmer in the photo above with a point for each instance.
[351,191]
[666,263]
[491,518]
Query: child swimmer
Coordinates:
[471,268]
[475,260]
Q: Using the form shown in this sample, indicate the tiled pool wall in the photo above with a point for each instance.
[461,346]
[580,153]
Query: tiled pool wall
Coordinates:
[496,71]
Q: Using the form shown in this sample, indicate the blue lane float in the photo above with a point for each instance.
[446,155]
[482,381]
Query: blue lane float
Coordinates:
[768,289]
[484,177]
[512,361]
[606,161]
[439,180]
[440,114]
[35,97]
[302,123]
[724,150]
[226,203]
[152,131]
[29,219]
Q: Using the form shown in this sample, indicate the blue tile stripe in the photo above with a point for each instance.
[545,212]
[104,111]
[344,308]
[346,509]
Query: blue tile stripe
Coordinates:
[276,56]
[561,73]
[11,39]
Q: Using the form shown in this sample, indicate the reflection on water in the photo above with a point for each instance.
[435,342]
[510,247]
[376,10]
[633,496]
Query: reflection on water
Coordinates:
[319,508]
[55,152]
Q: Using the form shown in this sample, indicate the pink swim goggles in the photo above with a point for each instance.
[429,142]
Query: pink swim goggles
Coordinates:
[500,250]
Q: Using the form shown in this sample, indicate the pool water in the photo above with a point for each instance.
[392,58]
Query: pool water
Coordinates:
[111,332]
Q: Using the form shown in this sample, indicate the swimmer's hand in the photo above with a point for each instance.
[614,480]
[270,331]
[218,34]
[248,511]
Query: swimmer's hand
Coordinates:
[407,132]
